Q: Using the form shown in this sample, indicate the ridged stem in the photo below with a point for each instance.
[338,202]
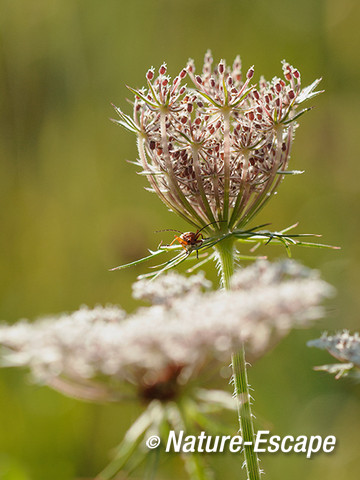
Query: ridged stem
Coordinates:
[225,251]
[242,395]
[225,255]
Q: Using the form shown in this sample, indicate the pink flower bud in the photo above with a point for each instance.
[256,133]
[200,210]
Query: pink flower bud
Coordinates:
[251,116]
[250,73]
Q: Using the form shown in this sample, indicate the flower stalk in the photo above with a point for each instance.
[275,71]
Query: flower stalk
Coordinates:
[215,153]
[225,250]
[225,256]
[243,399]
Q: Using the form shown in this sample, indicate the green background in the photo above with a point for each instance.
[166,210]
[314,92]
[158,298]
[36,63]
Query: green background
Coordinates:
[71,206]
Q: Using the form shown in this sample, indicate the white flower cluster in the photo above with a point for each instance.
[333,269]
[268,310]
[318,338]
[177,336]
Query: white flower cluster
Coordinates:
[342,346]
[171,341]
[260,275]
[170,286]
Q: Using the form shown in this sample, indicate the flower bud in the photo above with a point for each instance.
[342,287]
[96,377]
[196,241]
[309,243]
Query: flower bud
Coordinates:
[250,73]
[150,74]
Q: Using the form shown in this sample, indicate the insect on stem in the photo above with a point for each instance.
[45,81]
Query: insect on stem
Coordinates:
[189,240]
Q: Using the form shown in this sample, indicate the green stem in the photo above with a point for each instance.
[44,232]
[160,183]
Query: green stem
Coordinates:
[241,391]
[194,464]
[225,251]
[225,255]
[153,463]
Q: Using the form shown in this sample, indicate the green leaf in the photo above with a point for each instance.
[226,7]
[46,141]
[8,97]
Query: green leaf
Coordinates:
[167,266]
[201,263]
[308,92]
[209,99]
[126,121]
[143,98]
[297,115]
[290,172]
[317,245]
[251,257]
[136,262]
[129,446]
[147,172]
[225,91]
[125,125]
[243,96]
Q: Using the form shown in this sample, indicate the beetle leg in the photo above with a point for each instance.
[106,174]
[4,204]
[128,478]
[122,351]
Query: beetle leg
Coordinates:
[176,238]
[181,241]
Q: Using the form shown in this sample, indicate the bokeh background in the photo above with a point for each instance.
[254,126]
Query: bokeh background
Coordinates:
[71,206]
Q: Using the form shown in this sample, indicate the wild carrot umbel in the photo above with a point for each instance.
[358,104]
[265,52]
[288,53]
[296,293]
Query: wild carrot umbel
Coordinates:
[215,152]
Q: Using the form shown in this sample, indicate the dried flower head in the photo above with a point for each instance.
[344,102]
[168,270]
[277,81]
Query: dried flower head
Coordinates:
[100,353]
[215,151]
[343,347]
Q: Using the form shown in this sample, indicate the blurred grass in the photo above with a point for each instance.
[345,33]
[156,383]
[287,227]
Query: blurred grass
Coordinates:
[71,207]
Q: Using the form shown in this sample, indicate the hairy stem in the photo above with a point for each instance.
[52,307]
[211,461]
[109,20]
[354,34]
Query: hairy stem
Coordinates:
[241,392]
[225,252]
[225,256]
